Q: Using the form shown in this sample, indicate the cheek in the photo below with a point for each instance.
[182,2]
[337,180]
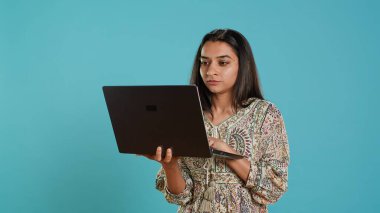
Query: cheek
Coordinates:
[231,74]
[201,72]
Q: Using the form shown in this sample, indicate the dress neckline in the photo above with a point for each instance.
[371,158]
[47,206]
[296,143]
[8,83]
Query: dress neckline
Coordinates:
[222,122]
[250,101]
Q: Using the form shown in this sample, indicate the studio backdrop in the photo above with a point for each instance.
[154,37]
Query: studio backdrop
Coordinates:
[318,62]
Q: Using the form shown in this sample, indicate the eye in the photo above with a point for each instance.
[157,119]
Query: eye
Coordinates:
[204,62]
[223,63]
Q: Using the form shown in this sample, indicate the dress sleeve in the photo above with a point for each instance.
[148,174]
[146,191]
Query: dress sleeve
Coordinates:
[180,199]
[268,177]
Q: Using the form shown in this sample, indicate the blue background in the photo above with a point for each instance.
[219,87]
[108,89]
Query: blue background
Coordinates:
[318,62]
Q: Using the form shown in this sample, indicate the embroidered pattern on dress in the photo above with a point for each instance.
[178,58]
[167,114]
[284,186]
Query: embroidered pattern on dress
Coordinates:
[257,132]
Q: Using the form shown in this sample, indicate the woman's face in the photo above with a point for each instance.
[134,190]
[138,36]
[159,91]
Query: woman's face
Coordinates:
[219,66]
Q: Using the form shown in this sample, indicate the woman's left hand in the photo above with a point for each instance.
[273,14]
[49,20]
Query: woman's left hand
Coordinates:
[218,144]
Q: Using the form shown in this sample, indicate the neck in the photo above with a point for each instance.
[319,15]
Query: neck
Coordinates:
[222,103]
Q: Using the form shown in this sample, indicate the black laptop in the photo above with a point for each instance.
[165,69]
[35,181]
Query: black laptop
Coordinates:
[145,117]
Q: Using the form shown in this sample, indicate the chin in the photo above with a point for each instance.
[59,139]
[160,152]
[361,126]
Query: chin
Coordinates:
[215,90]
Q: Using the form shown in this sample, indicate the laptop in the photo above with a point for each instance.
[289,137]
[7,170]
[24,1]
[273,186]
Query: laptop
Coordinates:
[145,117]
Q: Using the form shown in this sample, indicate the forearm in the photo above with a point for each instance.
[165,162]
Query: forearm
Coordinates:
[175,182]
[240,166]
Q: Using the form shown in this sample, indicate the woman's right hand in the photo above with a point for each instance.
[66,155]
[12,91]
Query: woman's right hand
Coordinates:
[169,162]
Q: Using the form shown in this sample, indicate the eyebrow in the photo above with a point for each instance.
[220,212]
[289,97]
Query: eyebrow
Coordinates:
[222,56]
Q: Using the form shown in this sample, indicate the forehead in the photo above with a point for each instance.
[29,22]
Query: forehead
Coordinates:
[213,49]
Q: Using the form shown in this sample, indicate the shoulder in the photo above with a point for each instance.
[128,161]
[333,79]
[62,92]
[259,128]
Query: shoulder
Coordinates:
[264,112]
[263,107]
[259,108]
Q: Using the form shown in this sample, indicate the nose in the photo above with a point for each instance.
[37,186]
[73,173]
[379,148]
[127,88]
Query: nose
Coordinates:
[212,70]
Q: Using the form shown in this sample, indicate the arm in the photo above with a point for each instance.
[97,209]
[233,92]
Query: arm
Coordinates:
[175,182]
[266,179]
[240,166]
[173,179]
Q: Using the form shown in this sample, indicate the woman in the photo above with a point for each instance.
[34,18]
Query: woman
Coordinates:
[237,120]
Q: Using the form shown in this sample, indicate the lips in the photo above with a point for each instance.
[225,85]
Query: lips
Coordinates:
[212,82]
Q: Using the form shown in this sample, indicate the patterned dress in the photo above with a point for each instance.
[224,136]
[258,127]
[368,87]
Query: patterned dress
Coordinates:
[257,132]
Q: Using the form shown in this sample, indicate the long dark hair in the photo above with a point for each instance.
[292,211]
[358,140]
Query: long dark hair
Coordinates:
[247,84]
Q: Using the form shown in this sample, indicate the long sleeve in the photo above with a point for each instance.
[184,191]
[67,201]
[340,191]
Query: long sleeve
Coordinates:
[180,199]
[268,177]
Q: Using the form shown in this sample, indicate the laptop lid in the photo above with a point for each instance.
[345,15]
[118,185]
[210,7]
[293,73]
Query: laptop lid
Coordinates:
[145,117]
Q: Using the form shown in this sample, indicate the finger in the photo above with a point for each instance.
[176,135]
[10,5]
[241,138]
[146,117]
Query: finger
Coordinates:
[158,156]
[168,156]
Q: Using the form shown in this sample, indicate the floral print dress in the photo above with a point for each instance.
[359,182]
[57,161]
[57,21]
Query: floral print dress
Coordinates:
[257,132]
